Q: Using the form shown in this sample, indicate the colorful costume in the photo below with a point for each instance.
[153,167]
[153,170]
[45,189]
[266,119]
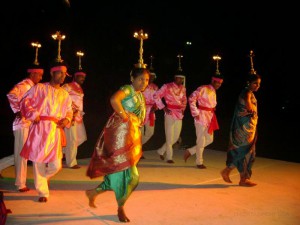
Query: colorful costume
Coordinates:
[243,136]
[75,133]
[20,129]
[202,103]
[44,144]
[119,148]
[176,100]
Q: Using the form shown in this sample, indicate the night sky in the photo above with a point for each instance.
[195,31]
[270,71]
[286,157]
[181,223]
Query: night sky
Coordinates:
[104,32]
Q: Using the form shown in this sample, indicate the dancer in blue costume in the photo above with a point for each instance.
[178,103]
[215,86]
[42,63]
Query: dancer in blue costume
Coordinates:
[243,134]
[119,146]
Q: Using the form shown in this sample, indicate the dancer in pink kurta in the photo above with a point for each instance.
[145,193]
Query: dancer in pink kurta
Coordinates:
[20,126]
[75,133]
[174,94]
[203,102]
[49,107]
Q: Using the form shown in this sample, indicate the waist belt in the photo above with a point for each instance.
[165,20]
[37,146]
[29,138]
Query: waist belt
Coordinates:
[174,106]
[214,122]
[61,130]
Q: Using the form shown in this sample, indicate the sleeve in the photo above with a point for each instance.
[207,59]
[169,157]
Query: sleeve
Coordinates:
[193,103]
[184,100]
[26,104]
[158,95]
[69,110]
[14,98]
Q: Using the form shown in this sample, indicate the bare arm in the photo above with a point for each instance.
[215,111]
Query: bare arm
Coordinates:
[116,104]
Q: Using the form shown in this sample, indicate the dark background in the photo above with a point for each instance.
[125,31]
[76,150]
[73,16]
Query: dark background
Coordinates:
[104,32]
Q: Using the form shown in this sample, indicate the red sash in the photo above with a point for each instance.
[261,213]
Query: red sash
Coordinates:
[151,118]
[174,106]
[62,132]
[214,122]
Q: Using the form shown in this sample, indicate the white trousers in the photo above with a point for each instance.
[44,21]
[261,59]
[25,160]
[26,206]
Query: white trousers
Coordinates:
[21,136]
[172,132]
[42,173]
[6,162]
[147,132]
[75,136]
[203,139]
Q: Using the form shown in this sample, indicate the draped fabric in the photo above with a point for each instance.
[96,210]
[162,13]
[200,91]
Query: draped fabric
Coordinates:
[44,139]
[119,145]
[243,136]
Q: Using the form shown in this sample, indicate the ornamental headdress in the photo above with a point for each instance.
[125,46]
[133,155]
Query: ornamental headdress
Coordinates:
[35,67]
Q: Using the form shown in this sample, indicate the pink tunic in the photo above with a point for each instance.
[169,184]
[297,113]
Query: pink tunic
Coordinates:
[175,98]
[14,97]
[44,138]
[148,94]
[204,96]
[76,93]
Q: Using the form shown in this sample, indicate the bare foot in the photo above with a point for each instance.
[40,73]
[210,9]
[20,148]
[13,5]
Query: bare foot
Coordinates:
[91,194]
[122,216]
[247,183]
[225,175]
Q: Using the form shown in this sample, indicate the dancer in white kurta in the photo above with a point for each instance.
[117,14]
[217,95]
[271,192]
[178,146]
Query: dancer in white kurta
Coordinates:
[20,126]
[75,133]
[49,107]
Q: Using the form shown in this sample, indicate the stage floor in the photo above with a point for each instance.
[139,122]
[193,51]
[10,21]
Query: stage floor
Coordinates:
[167,194]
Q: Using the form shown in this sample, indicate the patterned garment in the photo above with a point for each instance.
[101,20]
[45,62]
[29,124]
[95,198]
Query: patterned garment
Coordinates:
[243,136]
[119,145]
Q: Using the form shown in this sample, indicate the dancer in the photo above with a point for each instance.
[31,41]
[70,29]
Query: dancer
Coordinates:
[21,125]
[203,102]
[119,146]
[49,107]
[149,124]
[174,95]
[243,134]
[75,133]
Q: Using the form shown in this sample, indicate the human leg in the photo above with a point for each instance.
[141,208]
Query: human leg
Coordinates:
[246,173]
[225,174]
[6,162]
[169,131]
[129,179]
[203,139]
[40,179]
[20,136]
[71,149]
[148,132]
